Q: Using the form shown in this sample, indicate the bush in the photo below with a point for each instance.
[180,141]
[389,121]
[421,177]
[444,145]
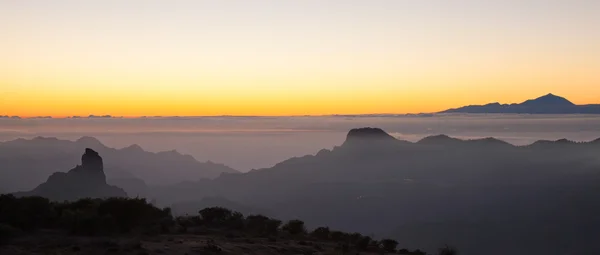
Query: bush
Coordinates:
[8,232]
[87,223]
[130,213]
[294,227]
[85,216]
[354,237]
[262,225]
[363,243]
[27,213]
[112,215]
[215,215]
[236,221]
[418,252]
[389,245]
[403,251]
[219,217]
[338,236]
[448,251]
[321,233]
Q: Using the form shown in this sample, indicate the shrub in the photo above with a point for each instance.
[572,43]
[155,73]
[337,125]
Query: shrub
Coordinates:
[374,243]
[219,217]
[27,213]
[8,232]
[354,237]
[448,251]
[294,227]
[129,213]
[338,236]
[236,221]
[389,245]
[418,252]
[272,226]
[215,215]
[363,243]
[262,225]
[321,233]
[403,251]
[85,216]
[87,223]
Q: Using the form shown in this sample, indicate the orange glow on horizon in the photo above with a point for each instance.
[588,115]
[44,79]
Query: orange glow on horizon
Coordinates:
[204,58]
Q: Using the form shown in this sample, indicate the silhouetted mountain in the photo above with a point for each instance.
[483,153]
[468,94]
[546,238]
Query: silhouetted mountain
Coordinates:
[369,134]
[441,186]
[548,100]
[444,140]
[26,163]
[548,104]
[84,181]
[133,186]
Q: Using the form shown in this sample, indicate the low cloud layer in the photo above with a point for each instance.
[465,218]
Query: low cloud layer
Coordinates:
[255,142]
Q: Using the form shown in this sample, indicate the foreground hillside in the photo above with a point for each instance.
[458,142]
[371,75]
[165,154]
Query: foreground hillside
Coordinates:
[165,244]
[35,225]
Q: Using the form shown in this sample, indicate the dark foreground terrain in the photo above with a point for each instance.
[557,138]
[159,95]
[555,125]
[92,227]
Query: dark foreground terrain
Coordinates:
[166,244]
[36,225]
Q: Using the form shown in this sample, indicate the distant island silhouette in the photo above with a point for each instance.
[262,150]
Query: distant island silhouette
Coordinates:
[548,104]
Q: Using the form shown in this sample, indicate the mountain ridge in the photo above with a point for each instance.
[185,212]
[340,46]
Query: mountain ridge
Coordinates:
[378,184]
[86,180]
[375,183]
[443,139]
[41,156]
[547,104]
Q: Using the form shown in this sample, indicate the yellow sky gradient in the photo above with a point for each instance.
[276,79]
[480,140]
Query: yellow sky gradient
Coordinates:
[198,58]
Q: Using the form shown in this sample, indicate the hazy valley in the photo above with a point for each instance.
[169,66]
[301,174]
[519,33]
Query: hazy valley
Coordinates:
[476,194]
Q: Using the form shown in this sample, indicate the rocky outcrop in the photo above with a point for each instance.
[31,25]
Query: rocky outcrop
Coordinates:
[368,137]
[28,162]
[84,181]
[368,133]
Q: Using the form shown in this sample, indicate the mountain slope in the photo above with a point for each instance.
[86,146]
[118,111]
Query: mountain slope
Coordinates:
[548,104]
[28,162]
[376,184]
[84,181]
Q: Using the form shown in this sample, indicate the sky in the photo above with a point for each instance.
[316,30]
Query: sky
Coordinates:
[311,57]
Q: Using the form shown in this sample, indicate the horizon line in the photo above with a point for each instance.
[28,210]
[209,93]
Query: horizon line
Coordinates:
[108,116]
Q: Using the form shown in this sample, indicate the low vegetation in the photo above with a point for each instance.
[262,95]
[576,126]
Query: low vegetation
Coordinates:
[118,216]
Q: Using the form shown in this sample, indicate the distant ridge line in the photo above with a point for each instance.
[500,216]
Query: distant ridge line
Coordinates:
[547,104]
[442,139]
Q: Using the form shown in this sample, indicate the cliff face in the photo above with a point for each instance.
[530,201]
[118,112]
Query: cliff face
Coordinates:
[90,172]
[84,181]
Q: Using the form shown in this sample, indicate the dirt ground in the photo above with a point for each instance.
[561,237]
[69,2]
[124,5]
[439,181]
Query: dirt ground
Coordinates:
[166,244]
